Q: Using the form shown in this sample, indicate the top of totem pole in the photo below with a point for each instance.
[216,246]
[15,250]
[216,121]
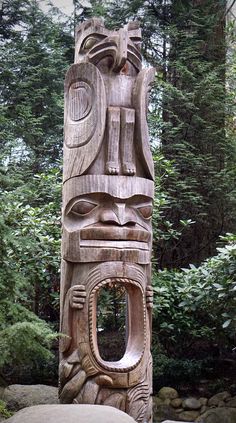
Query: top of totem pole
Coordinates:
[94,42]
[106,96]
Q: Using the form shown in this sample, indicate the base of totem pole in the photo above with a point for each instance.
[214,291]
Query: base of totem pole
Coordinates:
[83,413]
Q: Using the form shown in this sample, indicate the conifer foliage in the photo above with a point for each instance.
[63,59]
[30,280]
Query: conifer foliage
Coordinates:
[188,43]
[192,126]
[35,52]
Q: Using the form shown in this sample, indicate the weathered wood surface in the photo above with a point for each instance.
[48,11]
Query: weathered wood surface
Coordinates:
[107,206]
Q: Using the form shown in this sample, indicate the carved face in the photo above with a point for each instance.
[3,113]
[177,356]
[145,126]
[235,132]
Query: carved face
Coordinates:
[107,217]
[118,51]
[106,221]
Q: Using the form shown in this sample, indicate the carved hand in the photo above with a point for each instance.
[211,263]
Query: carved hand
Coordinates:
[77,295]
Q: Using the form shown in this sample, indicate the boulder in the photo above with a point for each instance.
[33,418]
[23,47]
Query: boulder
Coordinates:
[189,416]
[167,393]
[75,413]
[203,400]
[179,410]
[164,412]
[204,408]
[218,415]
[176,403]
[217,398]
[231,402]
[191,404]
[156,401]
[20,396]
[221,404]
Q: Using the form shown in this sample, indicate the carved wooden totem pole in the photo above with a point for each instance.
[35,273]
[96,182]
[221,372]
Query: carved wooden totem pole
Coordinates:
[107,206]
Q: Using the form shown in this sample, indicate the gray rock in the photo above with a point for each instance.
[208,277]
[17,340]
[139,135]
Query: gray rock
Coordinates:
[167,393]
[203,400]
[189,416]
[156,401]
[176,403]
[218,415]
[221,404]
[164,412]
[20,396]
[75,413]
[191,404]
[167,401]
[231,402]
[222,396]
[204,408]
[179,410]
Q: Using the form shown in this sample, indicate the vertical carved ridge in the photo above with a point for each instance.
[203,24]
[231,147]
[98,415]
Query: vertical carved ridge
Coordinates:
[113,134]
[127,141]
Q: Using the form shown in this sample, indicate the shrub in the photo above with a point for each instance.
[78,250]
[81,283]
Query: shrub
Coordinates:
[197,304]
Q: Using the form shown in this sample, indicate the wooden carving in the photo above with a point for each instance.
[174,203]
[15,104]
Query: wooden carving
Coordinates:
[107,207]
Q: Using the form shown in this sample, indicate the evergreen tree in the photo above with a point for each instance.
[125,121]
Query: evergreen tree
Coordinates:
[34,62]
[36,51]
[193,133]
[186,42]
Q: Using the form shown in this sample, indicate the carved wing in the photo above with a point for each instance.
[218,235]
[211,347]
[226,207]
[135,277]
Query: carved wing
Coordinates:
[84,118]
[140,99]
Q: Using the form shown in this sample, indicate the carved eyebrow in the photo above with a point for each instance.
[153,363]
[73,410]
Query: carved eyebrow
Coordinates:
[97,36]
[143,198]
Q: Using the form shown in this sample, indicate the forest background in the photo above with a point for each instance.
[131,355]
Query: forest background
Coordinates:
[192,128]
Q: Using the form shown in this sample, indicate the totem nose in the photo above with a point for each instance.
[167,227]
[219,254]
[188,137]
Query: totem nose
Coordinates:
[121,54]
[120,216]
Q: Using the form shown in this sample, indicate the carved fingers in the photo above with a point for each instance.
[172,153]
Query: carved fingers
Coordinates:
[72,388]
[149,297]
[77,296]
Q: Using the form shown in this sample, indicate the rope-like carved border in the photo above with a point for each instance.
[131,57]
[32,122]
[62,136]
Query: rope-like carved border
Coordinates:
[93,295]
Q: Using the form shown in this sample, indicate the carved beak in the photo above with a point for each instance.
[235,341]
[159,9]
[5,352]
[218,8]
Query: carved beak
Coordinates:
[114,46]
[121,54]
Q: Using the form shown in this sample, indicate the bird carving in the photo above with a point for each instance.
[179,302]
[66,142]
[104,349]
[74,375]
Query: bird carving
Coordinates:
[105,103]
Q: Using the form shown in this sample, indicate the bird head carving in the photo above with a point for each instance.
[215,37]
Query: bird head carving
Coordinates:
[109,50]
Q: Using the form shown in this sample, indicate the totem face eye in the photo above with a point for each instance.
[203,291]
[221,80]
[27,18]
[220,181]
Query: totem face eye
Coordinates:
[82,207]
[89,43]
[145,211]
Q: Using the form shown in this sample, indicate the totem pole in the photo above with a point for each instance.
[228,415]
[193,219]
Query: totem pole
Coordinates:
[107,206]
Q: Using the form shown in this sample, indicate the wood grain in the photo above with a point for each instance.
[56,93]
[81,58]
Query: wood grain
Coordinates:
[108,192]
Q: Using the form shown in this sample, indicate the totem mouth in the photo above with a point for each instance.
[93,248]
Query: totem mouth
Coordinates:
[136,329]
[115,237]
[115,233]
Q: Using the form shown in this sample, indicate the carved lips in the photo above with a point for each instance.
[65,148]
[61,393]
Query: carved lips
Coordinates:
[114,233]
[114,237]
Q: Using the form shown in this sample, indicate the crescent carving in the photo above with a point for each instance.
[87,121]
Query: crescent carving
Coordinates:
[84,120]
